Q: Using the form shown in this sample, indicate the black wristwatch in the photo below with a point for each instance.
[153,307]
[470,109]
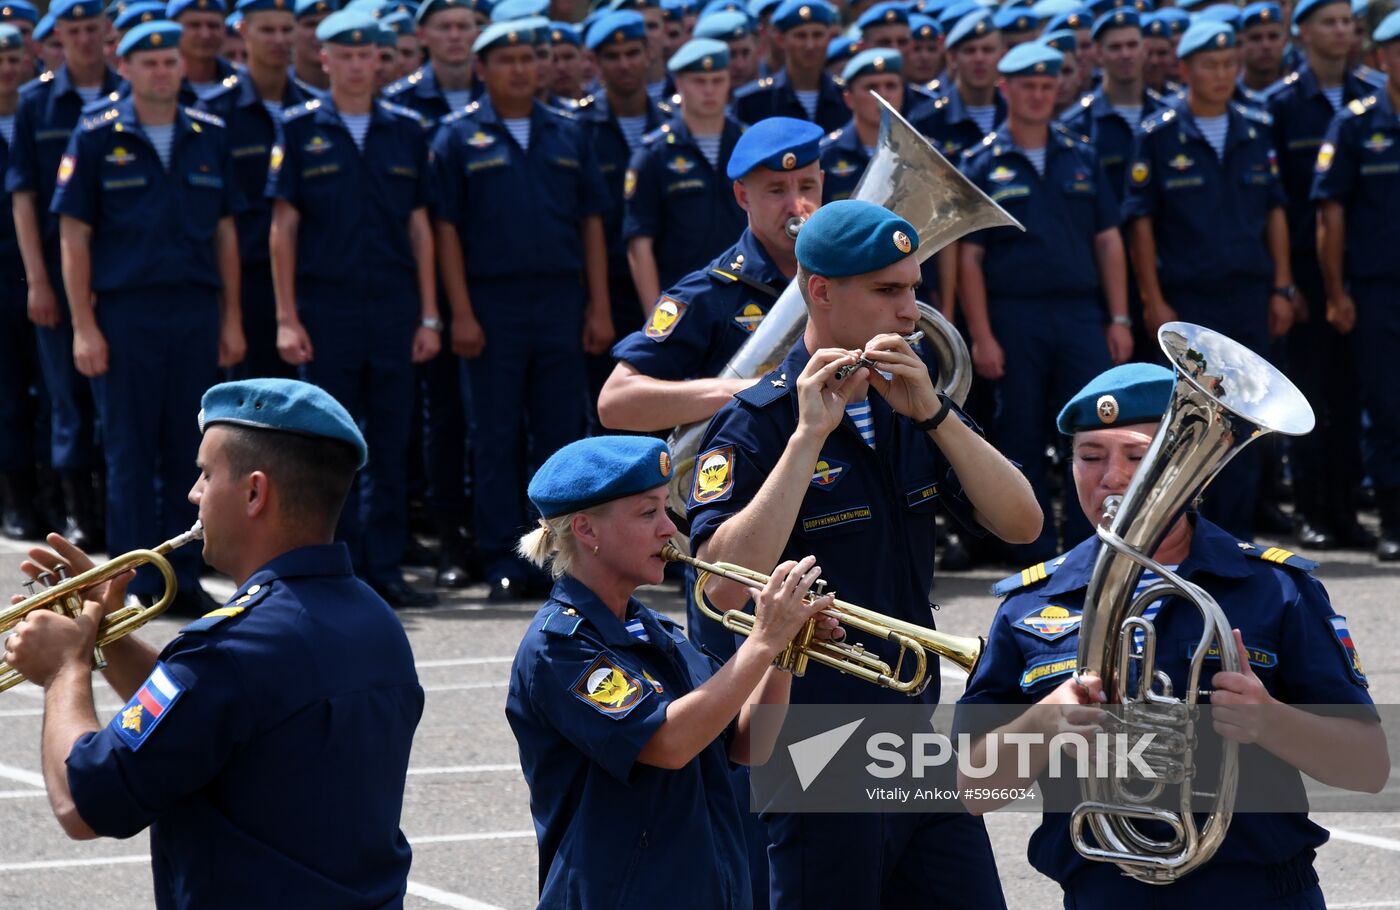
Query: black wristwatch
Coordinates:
[1287,292]
[928,426]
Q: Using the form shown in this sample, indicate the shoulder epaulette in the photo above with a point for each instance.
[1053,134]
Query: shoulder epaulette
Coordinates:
[1068,133]
[473,107]
[1359,106]
[204,116]
[665,106]
[1087,100]
[723,276]
[766,391]
[1160,118]
[1290,78]
[455,116]
[300,110]
[830,139]
[1026,577]
[587,101]
[46,76]
[1279,556]
[563,622]
[240,605]
[1258,115]
[230,81]
[933,85]
[400,86]
[408,113]
[943,102]
[98,120]
[561,113]
[656,135]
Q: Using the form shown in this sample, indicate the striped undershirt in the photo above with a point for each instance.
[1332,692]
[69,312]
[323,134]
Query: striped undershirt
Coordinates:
[1148,579]
[859,412]
[637,630]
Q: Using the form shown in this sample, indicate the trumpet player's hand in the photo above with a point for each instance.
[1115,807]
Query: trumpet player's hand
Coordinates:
[1236,700]
[909,390]
[821,398]
[46,643]
[73,561]
[781,607]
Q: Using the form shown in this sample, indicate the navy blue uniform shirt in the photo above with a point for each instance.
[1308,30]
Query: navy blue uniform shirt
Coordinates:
[676,197]
[868,513]
[1095,118]
[586,696]
[951,128]
[1210,215]
[1359,166]
[774,96]
[354,205]
[267,751]
[1287,624]
[11,265]
[151,227]
[1063,211]
[611,151]
[699,324]
[500,196]
[419,91]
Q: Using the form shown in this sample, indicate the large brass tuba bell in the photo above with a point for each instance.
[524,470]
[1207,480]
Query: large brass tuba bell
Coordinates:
[908,176]
[1225,397]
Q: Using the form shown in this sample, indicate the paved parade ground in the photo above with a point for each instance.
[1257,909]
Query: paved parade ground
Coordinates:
[466,808]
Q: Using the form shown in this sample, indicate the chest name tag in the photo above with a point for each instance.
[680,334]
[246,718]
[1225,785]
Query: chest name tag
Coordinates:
[608,689]
[1343,635]
[1011,192]
[1181,183]
[140,716]
[320,171]
[1373,170]
[1046,669]
[247,151]
[124,184]
[833,519]
[922,494]
[1259,657]
[1050,622]
[680,186]
[211,181]
[486,164]
[399,170]
[572,163]
[1079,188]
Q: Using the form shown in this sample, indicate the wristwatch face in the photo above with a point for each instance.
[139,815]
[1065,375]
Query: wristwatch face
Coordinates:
[434,324]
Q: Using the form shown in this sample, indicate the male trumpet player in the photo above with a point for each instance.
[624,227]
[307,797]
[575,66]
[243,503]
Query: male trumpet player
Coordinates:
[232,746]
[1292,648]
[852,470]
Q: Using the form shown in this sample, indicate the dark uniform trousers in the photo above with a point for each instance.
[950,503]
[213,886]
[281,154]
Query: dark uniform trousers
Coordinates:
[19,366]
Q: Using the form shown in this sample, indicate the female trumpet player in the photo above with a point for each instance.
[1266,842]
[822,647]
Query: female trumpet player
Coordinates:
[625,728]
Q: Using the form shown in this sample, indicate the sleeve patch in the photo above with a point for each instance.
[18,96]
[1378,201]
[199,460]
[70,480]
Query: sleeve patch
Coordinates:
[714,475]
[1343,636]
[1139,173]
[1048,669]
[629,183]
[609,689]
[1324,157]
[66,165]
[140,716]
[1050,622]
[664,316]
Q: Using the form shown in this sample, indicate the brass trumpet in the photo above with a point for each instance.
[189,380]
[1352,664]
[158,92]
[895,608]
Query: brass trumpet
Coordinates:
[67,597]
[915,642]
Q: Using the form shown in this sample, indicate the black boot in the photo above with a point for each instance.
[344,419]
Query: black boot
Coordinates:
[1388,550]
[80,520]
[454,556]
[17,503]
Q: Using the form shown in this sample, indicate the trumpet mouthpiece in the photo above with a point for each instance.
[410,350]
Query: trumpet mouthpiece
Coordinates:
[793,225]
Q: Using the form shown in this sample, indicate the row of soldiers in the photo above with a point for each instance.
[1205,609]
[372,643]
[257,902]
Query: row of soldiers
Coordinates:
[454,254]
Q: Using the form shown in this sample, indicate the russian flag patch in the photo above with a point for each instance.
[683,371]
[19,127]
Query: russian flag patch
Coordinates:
[139,717]
[1339,628]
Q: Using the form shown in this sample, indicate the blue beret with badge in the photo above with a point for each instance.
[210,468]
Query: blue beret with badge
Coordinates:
[305,8]
[349,28]
[1388,30]
[636,5]
[840,49]
[386,35]
[976,24]
[503,34]
[398,23]
[231,24]
[45,27]
[1063,40]
[1031,59]
[1074,20]
[11,38]
[948,16]
[159,35]
[723,6]
[1015,20]
[428,7]
[262,6]
[137,13]
[1306,8]
[887,13]
[727,25]
[1129,393]
[777,143]
[924,28]
[700,55]
[1046,10]
[285,405]
[758,9]
[75,10]
[564,33]
[508,10]
[374,7]
[1190,4]
[22,10]
[615,28]
[852,237]
[1222,12]
[597,470]
[791,14]
[177,8]
[1123,17]
[1175,21]
[677,10]
[1266,12]
[1205,35]
[875,62]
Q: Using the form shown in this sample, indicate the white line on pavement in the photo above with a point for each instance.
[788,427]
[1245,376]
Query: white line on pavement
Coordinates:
[1368,840]
[1357,905]
[466,838]
[462,687]
[74,863]
[447,898]
[22,794]
[464,769]
[463,661]
[21,776]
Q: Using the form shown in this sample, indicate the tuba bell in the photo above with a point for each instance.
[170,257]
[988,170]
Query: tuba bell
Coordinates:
[908,176]
[1225,397]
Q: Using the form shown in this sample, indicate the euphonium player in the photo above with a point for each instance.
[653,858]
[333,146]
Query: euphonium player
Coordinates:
[853,470]
[266,747]
[626,729]
[1293,649]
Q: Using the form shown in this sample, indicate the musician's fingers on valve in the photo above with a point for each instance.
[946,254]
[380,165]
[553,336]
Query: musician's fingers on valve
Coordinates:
[782,605]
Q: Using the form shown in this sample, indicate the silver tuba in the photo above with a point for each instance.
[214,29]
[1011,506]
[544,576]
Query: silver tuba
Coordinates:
[1225,397]
[908,176]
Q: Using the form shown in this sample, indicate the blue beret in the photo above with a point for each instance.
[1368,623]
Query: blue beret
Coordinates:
[615,28]
[1176,21]
[11,38]
[1074,20]
[19,9]
[398,24]
[635,5]
[286,405]
[232,22]
[874,62]
[1098,7]
[887,13]
[374,7]
[700,55]
[407,7]
[596,470]
[1122,17]
[777,143]
[948,17]
[428,7]
[507,10]
[977,24]
[1045,10]
[851,237]
[1015,20]
[1205,35]
[260,6]
[1190,4]
[1031,59]
[760,8]
[177,8]
[1261,13]
[723,6]
[840,49]
[724,26]
[1388,30]
[1144,6]
[315,7]
[1130,393]
[564,33]
[1222,12]
[44,28]
[159,35]
[1359,7]
[924,28]
[676,10]
[503,34]
[1306,8]
[136,13]
[1062,40]
[71,10]
[348,27]
[793,13]
[114,9]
